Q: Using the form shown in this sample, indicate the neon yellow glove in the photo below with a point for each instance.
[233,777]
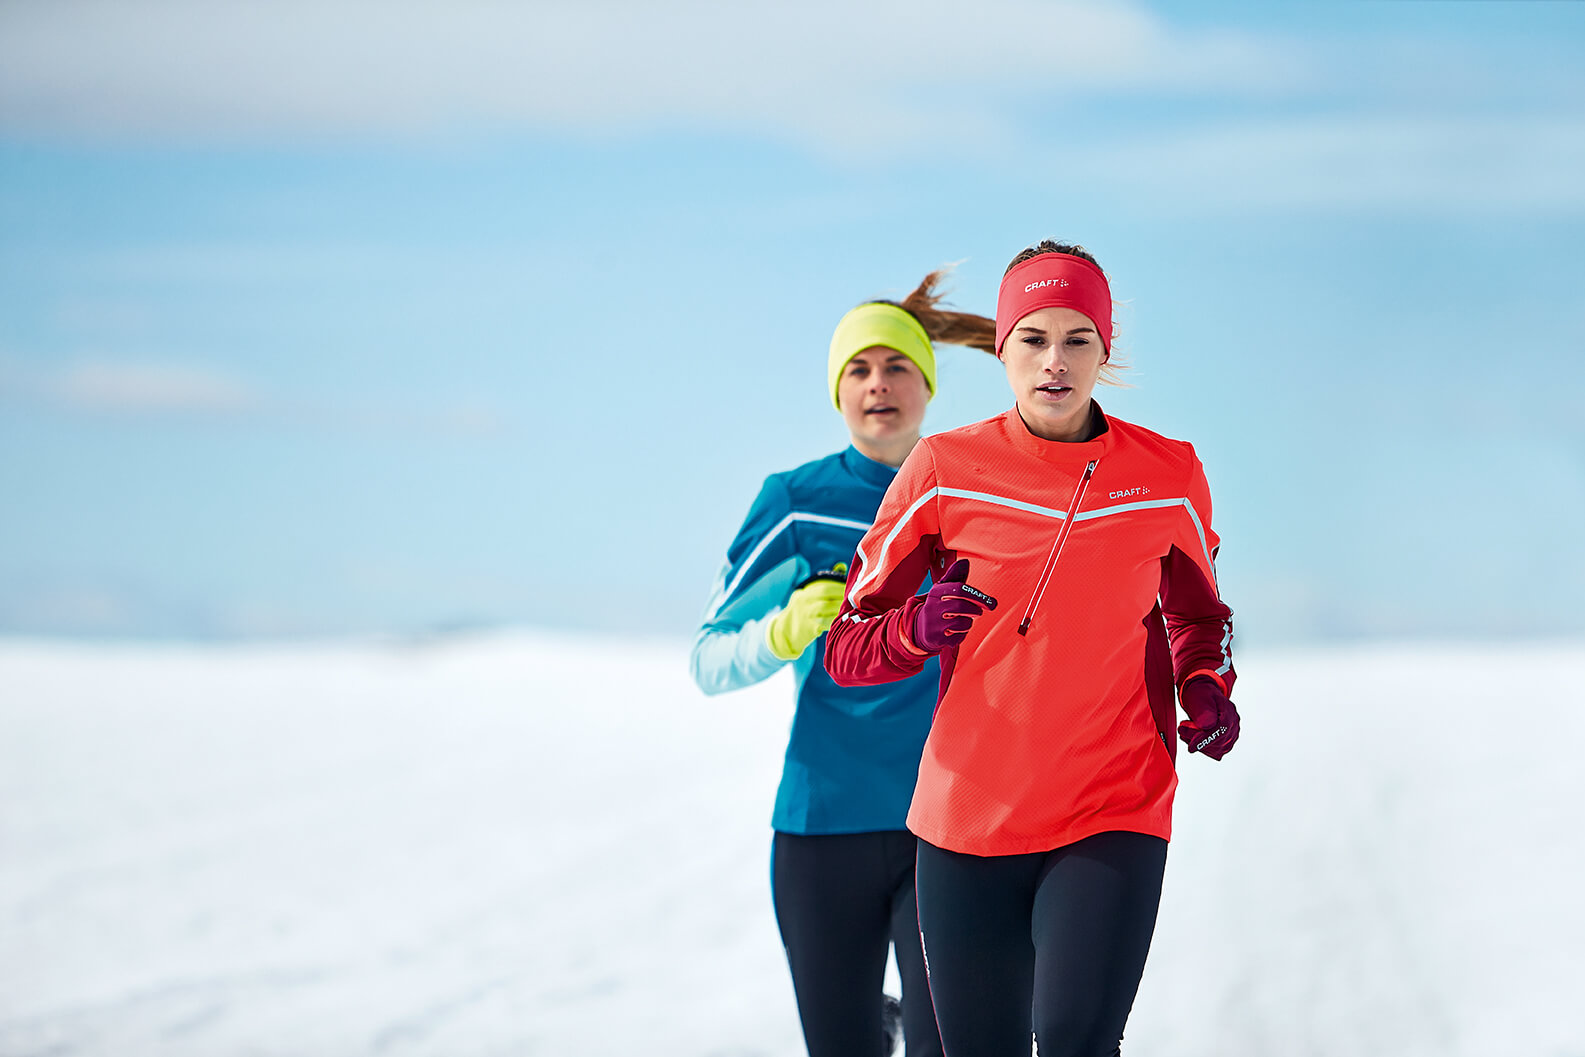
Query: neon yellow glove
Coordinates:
[808,613]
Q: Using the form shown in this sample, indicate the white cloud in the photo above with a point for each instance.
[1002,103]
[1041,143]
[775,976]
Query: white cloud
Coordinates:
[1423,121]
[150,389]
[827,71]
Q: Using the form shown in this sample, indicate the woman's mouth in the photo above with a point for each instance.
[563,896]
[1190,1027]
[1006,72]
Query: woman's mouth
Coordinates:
[1054,390]
[880,409]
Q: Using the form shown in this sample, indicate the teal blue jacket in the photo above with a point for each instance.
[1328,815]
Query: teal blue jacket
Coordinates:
[854,751]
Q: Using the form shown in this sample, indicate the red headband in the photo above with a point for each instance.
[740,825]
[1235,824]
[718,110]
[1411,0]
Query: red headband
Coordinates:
[1054,280]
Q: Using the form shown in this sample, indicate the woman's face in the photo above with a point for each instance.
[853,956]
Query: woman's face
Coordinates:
[882,395]
[1053,359]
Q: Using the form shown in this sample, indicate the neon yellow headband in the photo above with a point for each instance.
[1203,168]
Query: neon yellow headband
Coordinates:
[876,324]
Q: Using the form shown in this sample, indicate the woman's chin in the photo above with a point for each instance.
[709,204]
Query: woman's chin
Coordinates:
[889,428]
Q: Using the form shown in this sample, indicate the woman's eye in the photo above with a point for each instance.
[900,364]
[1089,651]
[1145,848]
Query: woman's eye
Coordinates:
[1034,341]
[1078,341]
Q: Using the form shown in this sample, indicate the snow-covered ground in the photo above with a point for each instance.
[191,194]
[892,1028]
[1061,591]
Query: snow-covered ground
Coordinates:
[533,845]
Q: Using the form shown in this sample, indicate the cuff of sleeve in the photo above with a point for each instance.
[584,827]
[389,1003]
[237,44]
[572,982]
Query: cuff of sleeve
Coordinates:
[903,625]
[1209,674]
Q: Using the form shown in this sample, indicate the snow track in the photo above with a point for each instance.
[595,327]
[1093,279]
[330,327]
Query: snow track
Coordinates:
[535,845]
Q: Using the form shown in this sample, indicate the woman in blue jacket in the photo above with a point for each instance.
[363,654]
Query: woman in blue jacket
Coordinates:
[842,862]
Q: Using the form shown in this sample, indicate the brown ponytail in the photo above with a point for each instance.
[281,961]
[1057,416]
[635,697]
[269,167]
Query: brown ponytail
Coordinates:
[945,327]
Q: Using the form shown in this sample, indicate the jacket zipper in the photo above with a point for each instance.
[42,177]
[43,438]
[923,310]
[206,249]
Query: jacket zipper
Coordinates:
[1056,546]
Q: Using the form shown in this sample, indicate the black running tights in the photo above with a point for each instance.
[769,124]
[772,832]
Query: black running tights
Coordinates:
[841,901]
[1055,941]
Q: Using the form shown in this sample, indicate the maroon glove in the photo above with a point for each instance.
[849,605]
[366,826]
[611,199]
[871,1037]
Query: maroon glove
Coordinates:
[1212,726]
[949,610]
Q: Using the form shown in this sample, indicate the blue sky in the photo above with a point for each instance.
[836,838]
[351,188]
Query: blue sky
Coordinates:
[329,318]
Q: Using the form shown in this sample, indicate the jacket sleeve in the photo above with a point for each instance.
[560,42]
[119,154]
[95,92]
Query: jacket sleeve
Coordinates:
[1199,623]
[762,567]
[868,643]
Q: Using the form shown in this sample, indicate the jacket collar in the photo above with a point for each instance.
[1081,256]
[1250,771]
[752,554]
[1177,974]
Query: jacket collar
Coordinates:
[867,469]
[1055,450]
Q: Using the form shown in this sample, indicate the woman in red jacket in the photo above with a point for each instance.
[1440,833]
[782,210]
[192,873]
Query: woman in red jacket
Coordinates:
[1075,598]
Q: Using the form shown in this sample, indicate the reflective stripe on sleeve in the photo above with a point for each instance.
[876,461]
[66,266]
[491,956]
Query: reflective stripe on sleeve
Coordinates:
[759,549]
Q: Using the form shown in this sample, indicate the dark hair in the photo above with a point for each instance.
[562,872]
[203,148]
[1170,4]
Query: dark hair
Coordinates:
[1072,249]
[1110,368]
[943,326]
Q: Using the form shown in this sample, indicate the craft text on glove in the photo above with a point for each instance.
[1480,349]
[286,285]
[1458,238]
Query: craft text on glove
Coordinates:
[1212,726]
[949,610]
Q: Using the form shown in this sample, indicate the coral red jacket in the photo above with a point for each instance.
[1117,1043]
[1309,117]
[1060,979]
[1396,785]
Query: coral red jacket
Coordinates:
[1044,738]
